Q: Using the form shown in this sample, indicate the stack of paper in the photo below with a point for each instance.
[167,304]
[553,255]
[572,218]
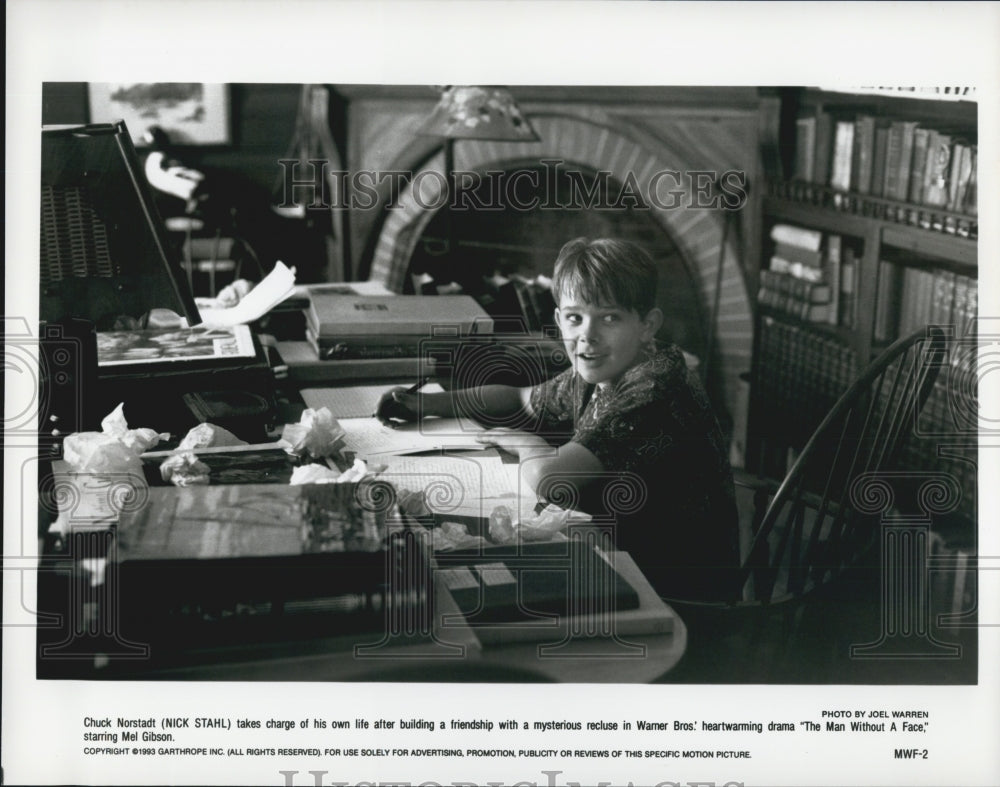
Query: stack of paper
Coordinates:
[369,438]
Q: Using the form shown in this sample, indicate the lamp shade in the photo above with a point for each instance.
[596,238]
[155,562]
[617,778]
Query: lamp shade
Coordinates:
[472,112]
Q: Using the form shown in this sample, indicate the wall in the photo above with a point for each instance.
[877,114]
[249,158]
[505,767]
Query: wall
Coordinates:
[244,173]
[262,118]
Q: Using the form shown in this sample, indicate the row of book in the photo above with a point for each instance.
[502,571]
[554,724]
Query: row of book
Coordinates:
[898,160]
[810,276]
[910,297]
[799,375]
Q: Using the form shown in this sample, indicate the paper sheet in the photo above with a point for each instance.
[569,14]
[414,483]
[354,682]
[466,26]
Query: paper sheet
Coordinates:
[354,401]
[276,286]
[368,437]
[462,484]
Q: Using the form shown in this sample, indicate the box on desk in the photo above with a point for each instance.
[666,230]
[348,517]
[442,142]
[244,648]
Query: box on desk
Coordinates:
[203,567]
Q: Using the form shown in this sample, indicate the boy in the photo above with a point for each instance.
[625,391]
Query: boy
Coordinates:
[625,411]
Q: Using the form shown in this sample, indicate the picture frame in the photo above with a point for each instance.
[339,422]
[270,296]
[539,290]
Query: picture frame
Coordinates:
[191,113]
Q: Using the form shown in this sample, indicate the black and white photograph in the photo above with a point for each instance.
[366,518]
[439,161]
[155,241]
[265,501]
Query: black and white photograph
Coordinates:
[608,425]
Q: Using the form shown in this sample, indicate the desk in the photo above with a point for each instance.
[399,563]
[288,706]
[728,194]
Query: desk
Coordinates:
[456,651]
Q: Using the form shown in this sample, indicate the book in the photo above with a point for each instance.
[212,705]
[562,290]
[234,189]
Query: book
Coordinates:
[368,346]
[342,316]
[240,563]
[848,276]
[345,288]
[534,584]
[173,345]
[813,292]
[797,236]
[915,192]
[887,302]
[878,160]
[915,299]
[805,148]
[810,312]
[823,148]
[650,616]
[794,253]
[834,245]
[898,159]
[905,161]
[843,152]
[969,198]
[863,154]
[961,173]
[796,269]
[937,170]
[894,150]
[801,299]
[942,298]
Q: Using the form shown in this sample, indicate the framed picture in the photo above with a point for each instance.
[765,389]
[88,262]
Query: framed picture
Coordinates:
[191,113]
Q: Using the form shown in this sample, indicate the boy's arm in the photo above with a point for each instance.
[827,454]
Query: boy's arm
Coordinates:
[542,465]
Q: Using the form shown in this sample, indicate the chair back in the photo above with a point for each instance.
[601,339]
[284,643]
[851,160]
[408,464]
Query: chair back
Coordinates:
[812,529]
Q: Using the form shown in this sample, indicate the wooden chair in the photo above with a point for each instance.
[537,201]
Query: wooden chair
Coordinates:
[811,541]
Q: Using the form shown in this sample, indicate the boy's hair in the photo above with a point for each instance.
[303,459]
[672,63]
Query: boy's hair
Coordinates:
[606,271]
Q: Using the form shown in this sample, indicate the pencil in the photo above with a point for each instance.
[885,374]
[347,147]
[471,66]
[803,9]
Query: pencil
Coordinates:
[412,389]
[418,385]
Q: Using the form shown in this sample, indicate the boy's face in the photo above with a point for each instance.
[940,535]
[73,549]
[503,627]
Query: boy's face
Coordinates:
[603,341]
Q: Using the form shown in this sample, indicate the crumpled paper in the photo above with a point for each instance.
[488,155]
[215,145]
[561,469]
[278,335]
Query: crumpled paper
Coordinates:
[549,519]
[318,434]
[139,440]
[116,449]
[544,526]
[208,436]
[320,474]
[184,469]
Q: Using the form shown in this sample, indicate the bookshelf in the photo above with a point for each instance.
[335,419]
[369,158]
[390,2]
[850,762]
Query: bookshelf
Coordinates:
[896,253]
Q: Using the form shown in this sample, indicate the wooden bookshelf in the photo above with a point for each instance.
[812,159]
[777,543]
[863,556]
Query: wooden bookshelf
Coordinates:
[915,264]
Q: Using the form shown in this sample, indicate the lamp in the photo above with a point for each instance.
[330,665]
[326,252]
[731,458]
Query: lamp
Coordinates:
[474,112]
[488,113]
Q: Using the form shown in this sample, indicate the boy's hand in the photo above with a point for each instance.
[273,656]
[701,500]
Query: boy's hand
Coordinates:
[397,404]
[520,444]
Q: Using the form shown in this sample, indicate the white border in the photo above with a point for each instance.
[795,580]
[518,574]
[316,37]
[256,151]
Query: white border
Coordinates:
[486,42]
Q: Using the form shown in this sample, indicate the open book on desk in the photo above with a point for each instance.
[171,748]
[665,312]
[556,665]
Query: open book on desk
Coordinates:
[368,437]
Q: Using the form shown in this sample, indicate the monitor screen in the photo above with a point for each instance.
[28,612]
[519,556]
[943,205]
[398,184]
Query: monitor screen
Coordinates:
[104,249]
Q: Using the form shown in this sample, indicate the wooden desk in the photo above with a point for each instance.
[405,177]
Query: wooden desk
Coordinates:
[456,652]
